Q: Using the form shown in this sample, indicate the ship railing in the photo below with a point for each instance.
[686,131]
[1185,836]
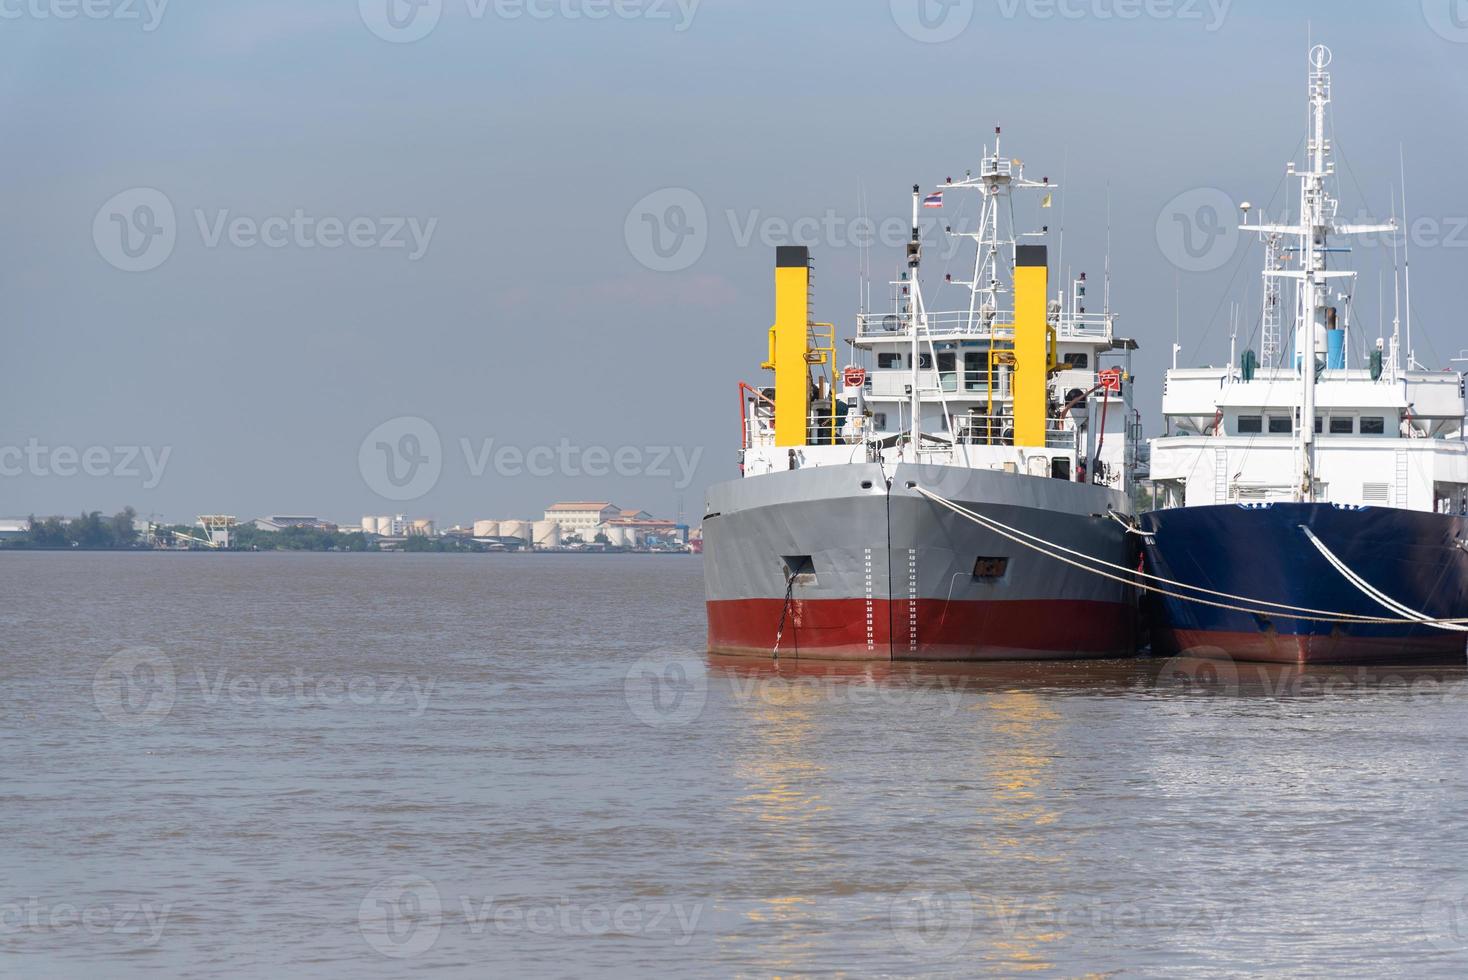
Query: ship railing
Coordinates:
[995,167]
[1085,326]
[998,325]
[998,430]
[836,430]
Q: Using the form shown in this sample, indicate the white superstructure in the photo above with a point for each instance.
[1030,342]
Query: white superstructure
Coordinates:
[1381,434]
[939,385]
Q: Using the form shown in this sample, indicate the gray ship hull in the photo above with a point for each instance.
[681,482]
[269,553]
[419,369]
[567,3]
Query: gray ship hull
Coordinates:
[882,573]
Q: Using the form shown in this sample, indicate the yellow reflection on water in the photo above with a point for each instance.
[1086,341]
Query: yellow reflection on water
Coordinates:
[1018,747]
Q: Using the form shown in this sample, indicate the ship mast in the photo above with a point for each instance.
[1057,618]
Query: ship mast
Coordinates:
[996,181]
[915,319]
[1318,212]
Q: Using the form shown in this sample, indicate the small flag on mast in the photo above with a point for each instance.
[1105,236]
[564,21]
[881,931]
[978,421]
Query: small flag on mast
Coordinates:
[933,200]
[1049,200]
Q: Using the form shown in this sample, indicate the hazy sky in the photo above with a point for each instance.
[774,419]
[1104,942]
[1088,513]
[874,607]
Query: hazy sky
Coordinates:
[245,245]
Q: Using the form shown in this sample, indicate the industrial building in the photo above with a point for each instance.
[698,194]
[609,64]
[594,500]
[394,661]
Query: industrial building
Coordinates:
[399,526]
[580,515]
[281,522]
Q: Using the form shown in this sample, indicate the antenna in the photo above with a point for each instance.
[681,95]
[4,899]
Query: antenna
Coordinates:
[1106,290]
[1407,257]
[1396,294]
[1177,345]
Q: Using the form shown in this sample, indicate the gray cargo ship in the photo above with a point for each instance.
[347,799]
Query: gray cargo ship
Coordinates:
[884,508]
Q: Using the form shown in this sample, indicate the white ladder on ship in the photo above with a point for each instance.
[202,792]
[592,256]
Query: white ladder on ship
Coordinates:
[1401,488]
[1220,476]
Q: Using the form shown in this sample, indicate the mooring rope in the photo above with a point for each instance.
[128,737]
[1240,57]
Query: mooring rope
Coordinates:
[789,596]
[1376,594]
[1258,607]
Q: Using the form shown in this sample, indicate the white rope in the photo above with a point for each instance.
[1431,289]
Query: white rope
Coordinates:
[1274,610]
[1376,594]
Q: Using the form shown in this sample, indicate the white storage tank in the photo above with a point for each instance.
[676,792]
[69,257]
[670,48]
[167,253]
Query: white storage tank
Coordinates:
[547,534]
[486,529]
[369,525]
[516,529]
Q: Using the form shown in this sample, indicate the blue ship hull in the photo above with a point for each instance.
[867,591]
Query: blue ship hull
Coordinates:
[1260,552]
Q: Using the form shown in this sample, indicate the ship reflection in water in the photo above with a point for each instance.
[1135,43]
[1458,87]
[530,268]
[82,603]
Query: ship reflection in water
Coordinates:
[1056,817]
[475,786]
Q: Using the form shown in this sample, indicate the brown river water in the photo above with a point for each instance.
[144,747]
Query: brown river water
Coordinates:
[376,765]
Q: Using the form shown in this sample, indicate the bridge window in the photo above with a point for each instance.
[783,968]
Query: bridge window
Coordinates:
[1080,360]
[1373,427]
[1342,426]
[1251,425]
[1280,424]
[889,360]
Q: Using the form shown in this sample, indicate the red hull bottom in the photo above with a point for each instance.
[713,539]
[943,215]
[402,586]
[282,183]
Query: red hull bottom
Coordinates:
[925,629]
[1278,648]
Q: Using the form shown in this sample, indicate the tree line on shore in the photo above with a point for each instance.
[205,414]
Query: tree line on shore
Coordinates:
[92,531]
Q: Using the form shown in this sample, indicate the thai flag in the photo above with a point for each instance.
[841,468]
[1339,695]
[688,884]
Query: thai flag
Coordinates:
[933,200]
